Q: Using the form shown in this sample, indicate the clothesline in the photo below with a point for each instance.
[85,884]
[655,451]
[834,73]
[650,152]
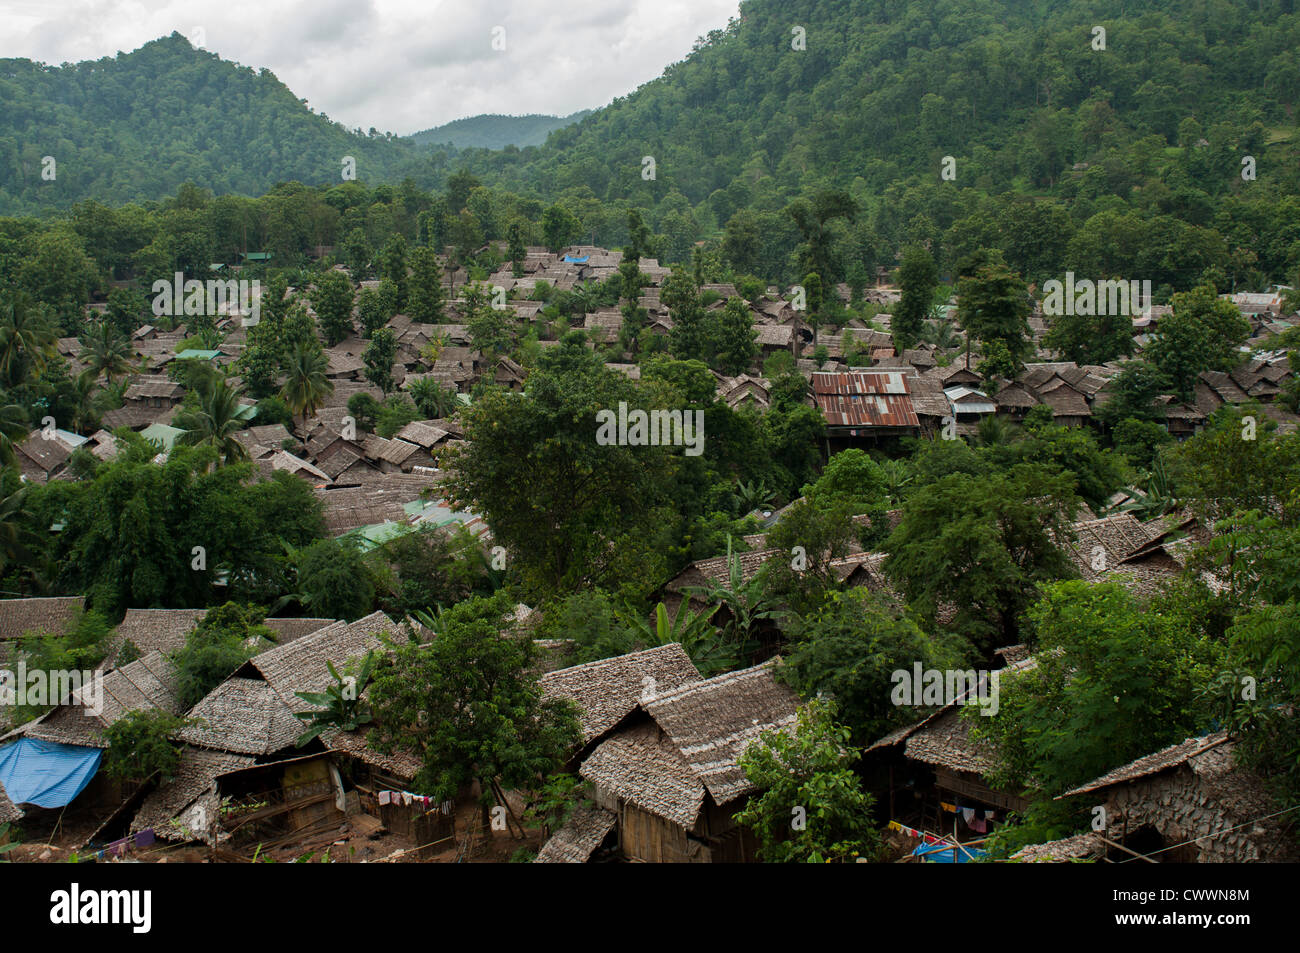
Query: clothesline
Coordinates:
[406,799]
[976,818]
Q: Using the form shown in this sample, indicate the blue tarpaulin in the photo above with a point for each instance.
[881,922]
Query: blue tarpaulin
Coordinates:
[46,773]
[942,853]
[575,260]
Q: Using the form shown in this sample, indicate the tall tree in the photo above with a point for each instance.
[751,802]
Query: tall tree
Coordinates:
[917,278]
[469,706]
[1204,333]
[426,299]
[332,300]
[993,307]
[379,356]
[214,420]
[306,385]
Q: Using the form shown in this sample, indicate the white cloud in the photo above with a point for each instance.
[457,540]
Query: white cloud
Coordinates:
[399,65]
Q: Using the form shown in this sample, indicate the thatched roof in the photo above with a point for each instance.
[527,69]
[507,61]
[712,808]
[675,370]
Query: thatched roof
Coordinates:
[51,614]
[643,766]
[243,715]
[1161,760]
[300,666]
[8,810]
[581,834]
[395,452]
[176,800]
[162,630]
[1087,846]
[355,744]
[1118,536]
[717,569]
[945,741]
[348,508]
[423,434]
[712,723]
[147,683]
[606,691]
[287,630]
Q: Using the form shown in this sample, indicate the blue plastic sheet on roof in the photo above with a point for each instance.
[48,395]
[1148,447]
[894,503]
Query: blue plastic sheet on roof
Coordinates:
[46,773]
[942,854]
[574,260]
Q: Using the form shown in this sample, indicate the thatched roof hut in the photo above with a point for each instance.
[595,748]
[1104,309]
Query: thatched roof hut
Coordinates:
[245,716]
[606,691]
[582,834]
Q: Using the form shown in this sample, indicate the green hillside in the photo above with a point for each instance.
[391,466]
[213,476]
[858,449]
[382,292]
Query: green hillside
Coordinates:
[139,125]
[496,131]
[1062,155]
[1155,125]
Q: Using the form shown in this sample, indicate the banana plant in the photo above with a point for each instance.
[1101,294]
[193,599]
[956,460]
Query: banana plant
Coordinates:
[340,706]
[698,637]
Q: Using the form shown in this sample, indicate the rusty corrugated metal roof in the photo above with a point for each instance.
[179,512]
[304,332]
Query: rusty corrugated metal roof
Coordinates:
[864,399]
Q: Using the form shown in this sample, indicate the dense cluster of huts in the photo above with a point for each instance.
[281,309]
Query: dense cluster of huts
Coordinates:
[660,743]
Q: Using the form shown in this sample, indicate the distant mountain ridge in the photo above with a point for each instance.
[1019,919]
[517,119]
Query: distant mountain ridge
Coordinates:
[136,126]
[496,131]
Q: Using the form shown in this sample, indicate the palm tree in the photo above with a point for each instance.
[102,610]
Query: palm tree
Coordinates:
[307,386]
[26,338]
[434,400]
[14,426]
[14,531]
[89,401]
[105,350]
[994,431]
[215,421]
[941,334]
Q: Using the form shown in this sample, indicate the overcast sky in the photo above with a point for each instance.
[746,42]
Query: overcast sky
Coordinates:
[397,65]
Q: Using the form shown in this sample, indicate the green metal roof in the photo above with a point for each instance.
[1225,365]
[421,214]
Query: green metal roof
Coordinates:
[161,433]
[193,354]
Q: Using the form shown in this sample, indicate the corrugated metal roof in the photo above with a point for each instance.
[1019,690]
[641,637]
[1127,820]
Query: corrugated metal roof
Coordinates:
[864,399]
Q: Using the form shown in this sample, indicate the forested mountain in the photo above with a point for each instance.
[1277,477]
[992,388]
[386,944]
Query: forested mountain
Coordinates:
[139,125]
[804,133]
[496,131]
[1149,132]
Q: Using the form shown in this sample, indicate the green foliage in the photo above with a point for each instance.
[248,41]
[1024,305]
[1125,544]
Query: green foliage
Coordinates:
[917,278]
[130,532]
[469,706]
[813,808]
[379,356]
[592,511]
[333,579]
[591,619]
[424,568]
[225,638]
[993,308]
[395,413]
[555,800]
[427,299]
[982,544]
[1202,334]
[341,707]
[81,648]
[140,746]
[848,651]
[1220,471]
[1114,680]
[332,299]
